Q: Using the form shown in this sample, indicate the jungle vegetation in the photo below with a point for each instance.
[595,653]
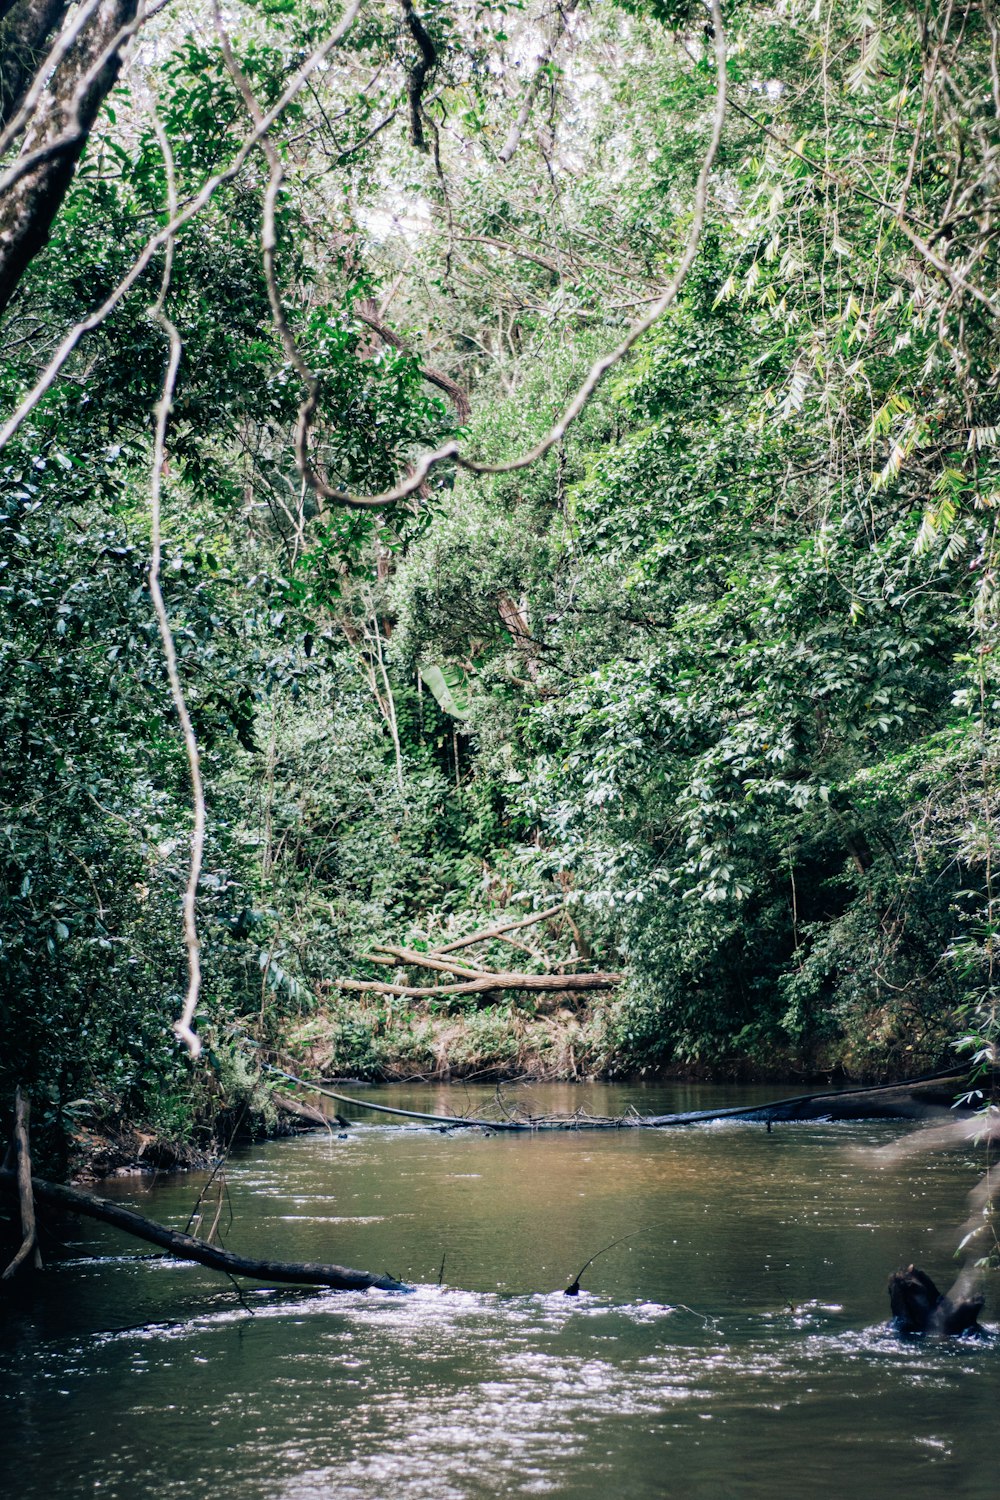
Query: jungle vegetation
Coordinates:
[711,672]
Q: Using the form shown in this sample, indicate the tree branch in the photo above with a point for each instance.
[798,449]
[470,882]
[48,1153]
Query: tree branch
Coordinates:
[487,933]
[510,145]
[451,450]
[367,313]
[422,961]
[417,76]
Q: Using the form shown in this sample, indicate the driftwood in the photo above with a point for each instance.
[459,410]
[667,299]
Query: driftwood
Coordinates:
[919,1308]
[186,1247]
[932,1095]
[22,1150]
[475,978]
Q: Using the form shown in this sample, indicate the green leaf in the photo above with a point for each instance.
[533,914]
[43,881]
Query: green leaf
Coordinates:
[450,687]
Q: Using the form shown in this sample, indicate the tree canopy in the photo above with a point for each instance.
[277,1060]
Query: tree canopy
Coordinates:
[467,459]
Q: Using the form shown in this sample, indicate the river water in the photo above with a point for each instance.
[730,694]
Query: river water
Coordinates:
[735,1346]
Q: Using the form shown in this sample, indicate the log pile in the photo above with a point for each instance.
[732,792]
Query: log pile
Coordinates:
[467,977]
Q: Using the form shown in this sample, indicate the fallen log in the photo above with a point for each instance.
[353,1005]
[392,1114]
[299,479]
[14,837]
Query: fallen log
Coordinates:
[488,984]
[475,978]
[186,1247]
[933,1093]
[406,1114]
[919,1308]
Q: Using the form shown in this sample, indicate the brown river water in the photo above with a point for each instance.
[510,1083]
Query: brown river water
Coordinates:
[735,1347]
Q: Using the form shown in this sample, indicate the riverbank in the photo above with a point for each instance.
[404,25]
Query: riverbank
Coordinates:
[388,1040]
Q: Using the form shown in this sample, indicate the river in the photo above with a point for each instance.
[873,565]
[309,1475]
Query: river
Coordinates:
[734,1346]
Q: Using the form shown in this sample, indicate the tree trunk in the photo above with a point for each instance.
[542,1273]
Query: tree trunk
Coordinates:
[24,34]
[54,140]
[22,1149]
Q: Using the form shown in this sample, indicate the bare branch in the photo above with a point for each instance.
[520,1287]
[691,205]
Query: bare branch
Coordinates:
[451,450]
[486,934]
[955,277]
[510,145]
[419,960]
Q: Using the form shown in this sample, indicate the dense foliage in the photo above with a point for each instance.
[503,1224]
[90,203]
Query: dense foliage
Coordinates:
[716,672]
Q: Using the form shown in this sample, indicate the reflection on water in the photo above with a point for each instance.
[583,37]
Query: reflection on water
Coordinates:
[735,1346]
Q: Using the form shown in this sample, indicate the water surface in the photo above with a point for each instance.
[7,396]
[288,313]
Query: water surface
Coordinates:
[734,1346]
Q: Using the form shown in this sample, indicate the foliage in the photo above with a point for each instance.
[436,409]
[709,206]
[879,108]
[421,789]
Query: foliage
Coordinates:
[718,670]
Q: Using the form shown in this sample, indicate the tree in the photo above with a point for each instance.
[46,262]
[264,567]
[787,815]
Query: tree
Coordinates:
[59,66]
[620,373]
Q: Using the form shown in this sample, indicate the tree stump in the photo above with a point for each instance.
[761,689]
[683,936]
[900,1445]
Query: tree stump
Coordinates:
[919,1308]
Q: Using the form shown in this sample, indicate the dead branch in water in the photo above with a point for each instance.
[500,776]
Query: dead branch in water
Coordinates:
[304,1112]
[573,1290]
[931,1095]
[186,1247]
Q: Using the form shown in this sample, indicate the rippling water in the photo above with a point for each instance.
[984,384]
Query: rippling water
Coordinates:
[734,1346]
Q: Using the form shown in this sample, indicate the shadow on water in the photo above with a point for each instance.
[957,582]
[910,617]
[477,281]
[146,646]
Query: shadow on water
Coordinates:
[736,1346]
